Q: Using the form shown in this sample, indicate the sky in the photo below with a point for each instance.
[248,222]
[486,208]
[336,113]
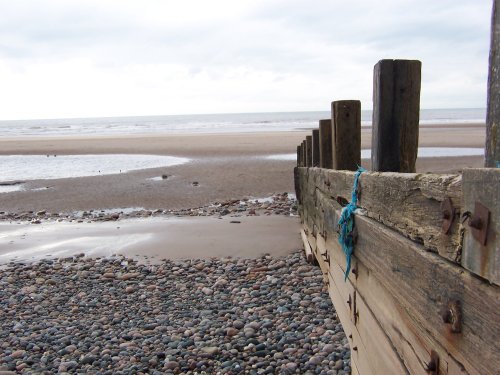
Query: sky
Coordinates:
[70,58]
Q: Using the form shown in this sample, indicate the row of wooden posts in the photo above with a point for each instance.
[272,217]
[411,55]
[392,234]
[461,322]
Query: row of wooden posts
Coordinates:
[336,144]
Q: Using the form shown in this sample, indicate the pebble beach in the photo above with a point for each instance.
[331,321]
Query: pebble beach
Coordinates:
[213,316]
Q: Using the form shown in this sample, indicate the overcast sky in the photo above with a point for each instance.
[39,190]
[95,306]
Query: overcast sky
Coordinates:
[69,58]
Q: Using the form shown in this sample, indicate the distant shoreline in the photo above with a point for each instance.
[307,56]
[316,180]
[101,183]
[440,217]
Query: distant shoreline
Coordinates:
[212,124]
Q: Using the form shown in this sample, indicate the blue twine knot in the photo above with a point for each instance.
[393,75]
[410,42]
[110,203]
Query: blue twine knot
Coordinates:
[346,223]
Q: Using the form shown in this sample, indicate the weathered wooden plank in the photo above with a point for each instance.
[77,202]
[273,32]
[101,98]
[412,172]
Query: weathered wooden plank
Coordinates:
[412,342]
[424,284]
[308,150]
[325,141]
[396,111]
[354,367]
[315,147]
[408,203]
[492,150]
[483,186]
[364,330]
[307,247]
[346,120]
[360,355]
[299,156]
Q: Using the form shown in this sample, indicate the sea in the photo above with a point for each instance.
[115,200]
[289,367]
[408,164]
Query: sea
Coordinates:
[210,123]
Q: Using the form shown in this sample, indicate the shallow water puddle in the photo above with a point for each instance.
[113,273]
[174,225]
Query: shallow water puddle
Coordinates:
[35,167]
[154,238]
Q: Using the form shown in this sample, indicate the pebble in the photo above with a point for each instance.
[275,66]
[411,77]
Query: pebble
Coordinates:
[191,316]
[277,204]
[232,331]
[130,289]
[207,291]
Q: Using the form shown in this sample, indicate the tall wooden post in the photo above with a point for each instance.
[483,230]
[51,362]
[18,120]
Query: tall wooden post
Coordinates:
[396,112]
[492,149]
[299,157]
[325,144]
[346,139]
[308,151]
[304,153]
[315,148]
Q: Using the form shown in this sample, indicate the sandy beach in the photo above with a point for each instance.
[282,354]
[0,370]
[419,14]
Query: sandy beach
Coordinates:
[225,166]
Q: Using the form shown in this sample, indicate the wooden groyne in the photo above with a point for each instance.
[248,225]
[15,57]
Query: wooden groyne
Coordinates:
[423,294]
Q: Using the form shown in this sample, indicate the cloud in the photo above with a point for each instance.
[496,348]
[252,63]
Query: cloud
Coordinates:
[95,58]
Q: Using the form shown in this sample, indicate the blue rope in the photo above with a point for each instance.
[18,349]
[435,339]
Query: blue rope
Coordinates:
[346,223]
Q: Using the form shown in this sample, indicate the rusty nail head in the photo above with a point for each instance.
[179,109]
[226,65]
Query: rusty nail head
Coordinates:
[452,314]
[433,365]
[355,311]
[479,223]
[448,212]
[355,348]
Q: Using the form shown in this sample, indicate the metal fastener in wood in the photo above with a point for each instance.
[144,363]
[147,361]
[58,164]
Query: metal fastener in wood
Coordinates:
[478,222]
[452,315]
[448,212]
[433,365]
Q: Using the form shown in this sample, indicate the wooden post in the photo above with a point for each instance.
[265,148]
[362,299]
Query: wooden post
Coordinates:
[346,139]
[304,153]
[309,151]
[299,156]
[492,149]
[325,144]
[396,112]
[315,148]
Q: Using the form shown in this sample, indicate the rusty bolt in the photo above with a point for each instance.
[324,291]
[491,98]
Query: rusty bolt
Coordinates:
[355,348]
[433,365]
[452,314]
[476,223]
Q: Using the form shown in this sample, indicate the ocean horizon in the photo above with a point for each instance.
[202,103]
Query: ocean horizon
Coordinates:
[210,123]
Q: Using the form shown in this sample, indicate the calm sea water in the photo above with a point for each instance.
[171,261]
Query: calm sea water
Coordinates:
[213,123]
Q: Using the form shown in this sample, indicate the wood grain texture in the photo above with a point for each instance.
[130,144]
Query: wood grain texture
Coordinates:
[492,149]
[307,247]
[396,112]
[408,203]
[483,185]
[346,138]
[410,340]
[362,356]
[421,282]
[325,144]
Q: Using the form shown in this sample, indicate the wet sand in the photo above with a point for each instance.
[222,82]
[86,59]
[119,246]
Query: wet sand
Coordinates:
[226,166]
[153,239]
